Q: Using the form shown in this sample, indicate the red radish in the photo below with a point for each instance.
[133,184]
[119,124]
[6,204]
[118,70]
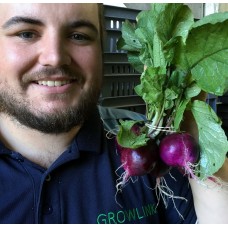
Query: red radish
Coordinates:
[180,150]
[136,129]
[138,162]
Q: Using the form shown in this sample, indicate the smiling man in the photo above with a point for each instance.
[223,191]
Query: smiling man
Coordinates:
[53,78]
[56,163]
[56,64]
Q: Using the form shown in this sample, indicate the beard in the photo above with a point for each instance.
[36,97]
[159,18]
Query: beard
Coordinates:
[60,121]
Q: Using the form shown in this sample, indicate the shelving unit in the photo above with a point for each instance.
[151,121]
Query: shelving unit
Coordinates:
[119,76]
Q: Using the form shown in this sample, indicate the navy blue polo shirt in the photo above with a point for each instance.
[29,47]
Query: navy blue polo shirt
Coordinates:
[80,187]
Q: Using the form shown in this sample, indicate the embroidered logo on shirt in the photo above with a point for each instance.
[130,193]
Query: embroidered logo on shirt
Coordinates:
[126,216]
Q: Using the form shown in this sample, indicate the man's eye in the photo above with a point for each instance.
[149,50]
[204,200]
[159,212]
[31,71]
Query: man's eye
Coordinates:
[26,35]
[80,37]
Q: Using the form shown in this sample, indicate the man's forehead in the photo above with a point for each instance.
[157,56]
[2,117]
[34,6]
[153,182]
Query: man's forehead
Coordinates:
[38,6]
[45,11]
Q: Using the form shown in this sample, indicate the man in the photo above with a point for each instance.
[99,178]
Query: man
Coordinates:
[56,164]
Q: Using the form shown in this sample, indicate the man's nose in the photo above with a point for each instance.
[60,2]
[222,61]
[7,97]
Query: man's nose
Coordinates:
[53,52]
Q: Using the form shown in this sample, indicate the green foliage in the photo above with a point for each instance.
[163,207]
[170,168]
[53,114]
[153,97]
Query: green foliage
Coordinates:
[179,58]
[127,138]
[212,139]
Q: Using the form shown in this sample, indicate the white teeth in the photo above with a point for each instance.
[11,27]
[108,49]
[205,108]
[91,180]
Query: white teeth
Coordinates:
[53,83]
[50,83]
[57,83]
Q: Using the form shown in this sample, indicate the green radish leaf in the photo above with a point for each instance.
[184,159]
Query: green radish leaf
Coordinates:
[127,138]
[179,113]
[134,59]
[146,23]
[211,19]
[158,55]
[129,40]
[170,96]
[192,91]
[175,20]
[207,55]
[212,139]
[152,86]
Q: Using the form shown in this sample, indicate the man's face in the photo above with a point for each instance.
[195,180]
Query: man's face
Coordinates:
[50,65]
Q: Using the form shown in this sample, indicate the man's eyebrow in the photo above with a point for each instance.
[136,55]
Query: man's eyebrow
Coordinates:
[19,19]
[83,23]
[28,20]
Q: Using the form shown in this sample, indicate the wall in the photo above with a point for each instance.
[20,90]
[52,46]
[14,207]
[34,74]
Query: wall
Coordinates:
[223,7]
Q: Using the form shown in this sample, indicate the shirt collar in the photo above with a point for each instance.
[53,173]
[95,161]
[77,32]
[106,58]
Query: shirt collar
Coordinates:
[89,138]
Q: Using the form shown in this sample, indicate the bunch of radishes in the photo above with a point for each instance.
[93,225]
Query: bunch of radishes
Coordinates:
[157,157]
[178,59]
[143,154]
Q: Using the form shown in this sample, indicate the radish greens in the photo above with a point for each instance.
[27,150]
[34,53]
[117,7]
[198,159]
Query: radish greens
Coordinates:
[178,58]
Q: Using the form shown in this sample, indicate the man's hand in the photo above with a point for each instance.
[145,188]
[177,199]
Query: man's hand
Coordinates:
[210,199]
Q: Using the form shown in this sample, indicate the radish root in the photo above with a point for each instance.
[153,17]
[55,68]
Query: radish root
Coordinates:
[165,193]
